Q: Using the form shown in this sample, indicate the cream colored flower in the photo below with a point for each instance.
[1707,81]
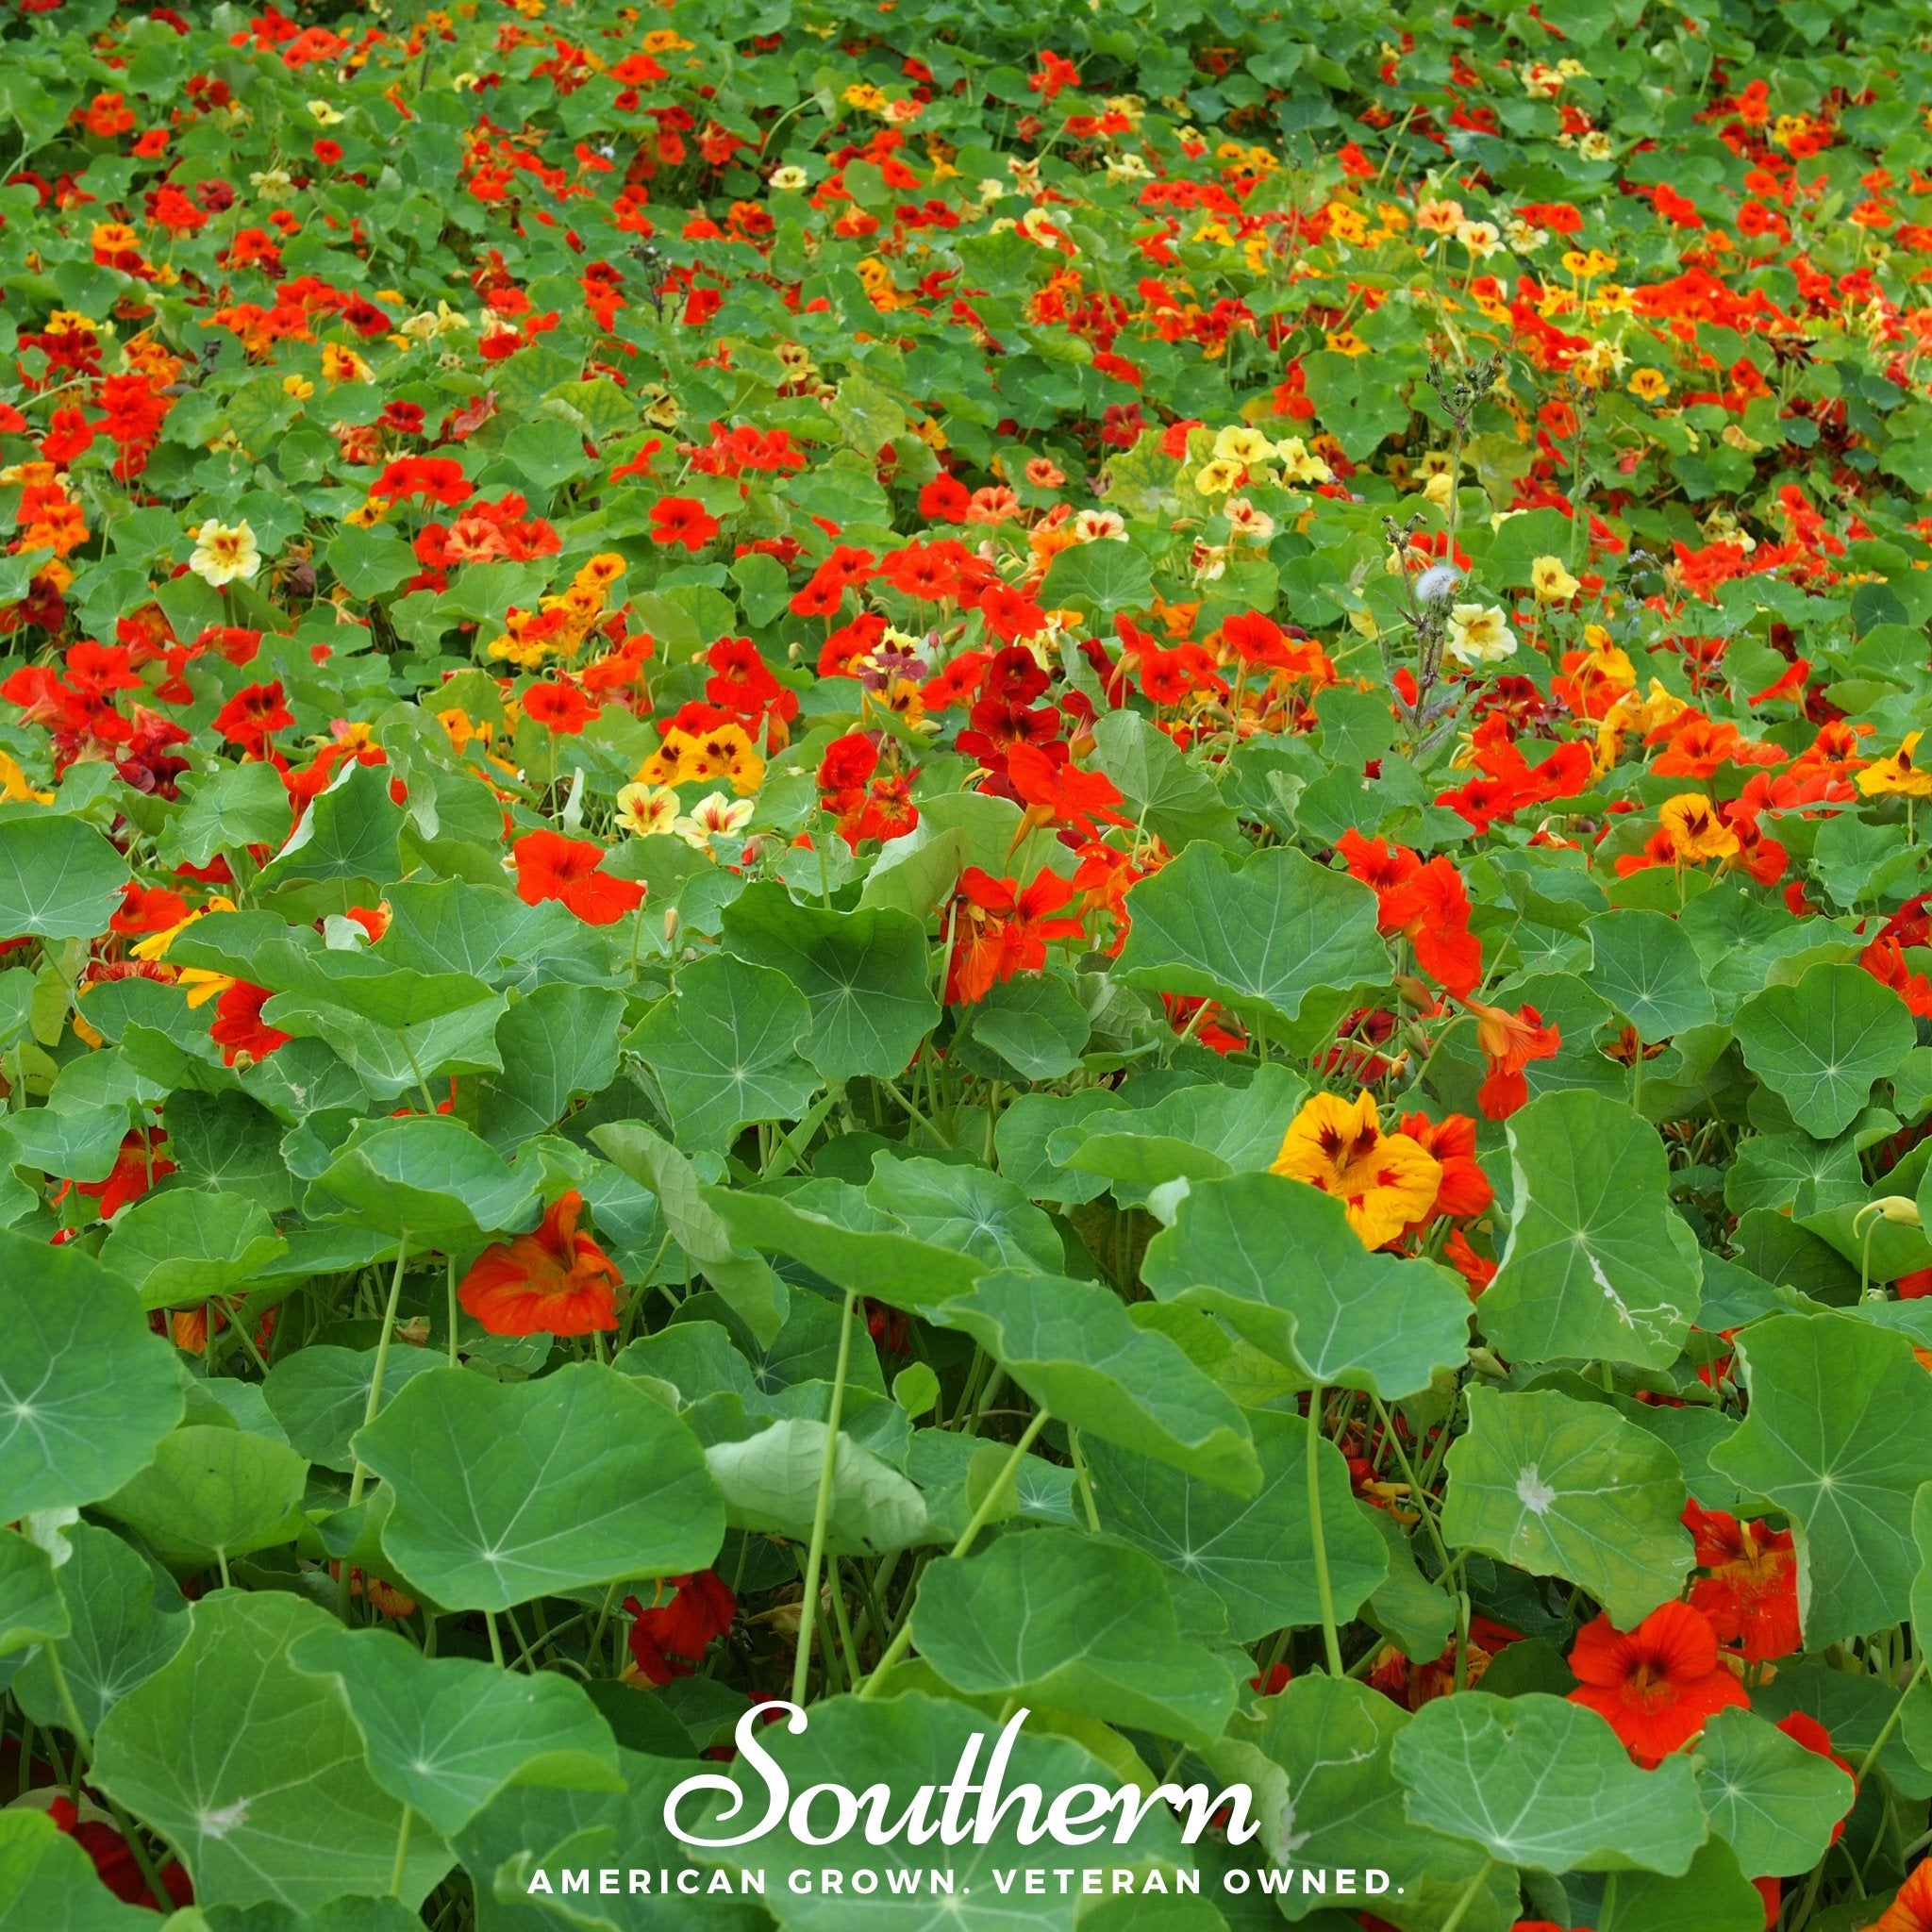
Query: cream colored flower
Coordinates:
[1551,582]
[647,810]
[1480,634]
[1217,477]
[714,816]
[788,179]
[224,552]
[324,115]
[273,184]
[1245,520]
[1100,526]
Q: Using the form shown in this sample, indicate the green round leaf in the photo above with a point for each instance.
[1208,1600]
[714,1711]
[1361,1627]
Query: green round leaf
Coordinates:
[505,1491]
[59,879]
[255,1773]
[1820,1045]
[87,1391]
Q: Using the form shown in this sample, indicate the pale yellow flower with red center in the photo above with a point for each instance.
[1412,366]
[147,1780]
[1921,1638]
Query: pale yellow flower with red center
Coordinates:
[224,552]
[1384,1181]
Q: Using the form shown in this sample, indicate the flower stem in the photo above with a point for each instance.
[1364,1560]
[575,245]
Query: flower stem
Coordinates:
[821,1509]
[1325,1589]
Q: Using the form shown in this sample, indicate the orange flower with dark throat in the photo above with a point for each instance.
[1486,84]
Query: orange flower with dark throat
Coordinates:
[1509,1042]
[1751,1595]
[1656,1686]
[549,866]
[556,1281]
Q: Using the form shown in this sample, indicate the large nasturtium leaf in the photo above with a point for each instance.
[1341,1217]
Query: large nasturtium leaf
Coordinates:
[528,1828]
[351,832]
[212,1492]
[428,1175]
[745,1279]
[1538,1781]
[255,1773]
[1839,1436]
[320,1395]
[49,1883]
[1774,1802]
[1820,1045]
[1326,1798]
[769,1483]
[1257,1554]
[1073,1348]
[446,1734]
[1598,1266]
[509,1491]
[863,975]
[238,805]
[1648,969]
[1277,1261]
[969,1209]
[1177,801]
[86,1388]
[1569,1488]
[118,1632]
[1057,1617]
[1098,580]
[59,878]
[1264,934]
[186,1245]
[32,1609]
[1202,1132]
[725,1046]
[883,1263]
[904,1742]
[556,1041]
[1712,1896]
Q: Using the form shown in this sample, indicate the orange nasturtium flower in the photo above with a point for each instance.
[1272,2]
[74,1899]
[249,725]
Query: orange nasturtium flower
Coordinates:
[1509,1042]
[556,1281]
[1696,831]
[1911,1910]
[1385,1181]
[1658,1685]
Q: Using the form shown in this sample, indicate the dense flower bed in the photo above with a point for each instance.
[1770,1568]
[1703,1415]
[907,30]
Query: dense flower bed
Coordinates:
[844,858]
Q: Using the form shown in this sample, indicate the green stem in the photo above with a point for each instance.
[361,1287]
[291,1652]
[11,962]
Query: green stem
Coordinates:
[1468,1898]
[450,1262]
[1083,1482]
[821,1509]
[1891,1722]
[401,1865]
[77,1728]
[495,1637]
[388,1329]
[1325,1589]
[901,1642]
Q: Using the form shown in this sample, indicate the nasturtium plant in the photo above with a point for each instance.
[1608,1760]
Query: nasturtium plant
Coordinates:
[1047,879]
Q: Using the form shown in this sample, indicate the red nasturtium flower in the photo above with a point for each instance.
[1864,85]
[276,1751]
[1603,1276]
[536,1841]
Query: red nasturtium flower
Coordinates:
[1751,1595]
[555,1281]
[1658,1685]
[239,1026]
[549,866]
[999,931]
[667,1641]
